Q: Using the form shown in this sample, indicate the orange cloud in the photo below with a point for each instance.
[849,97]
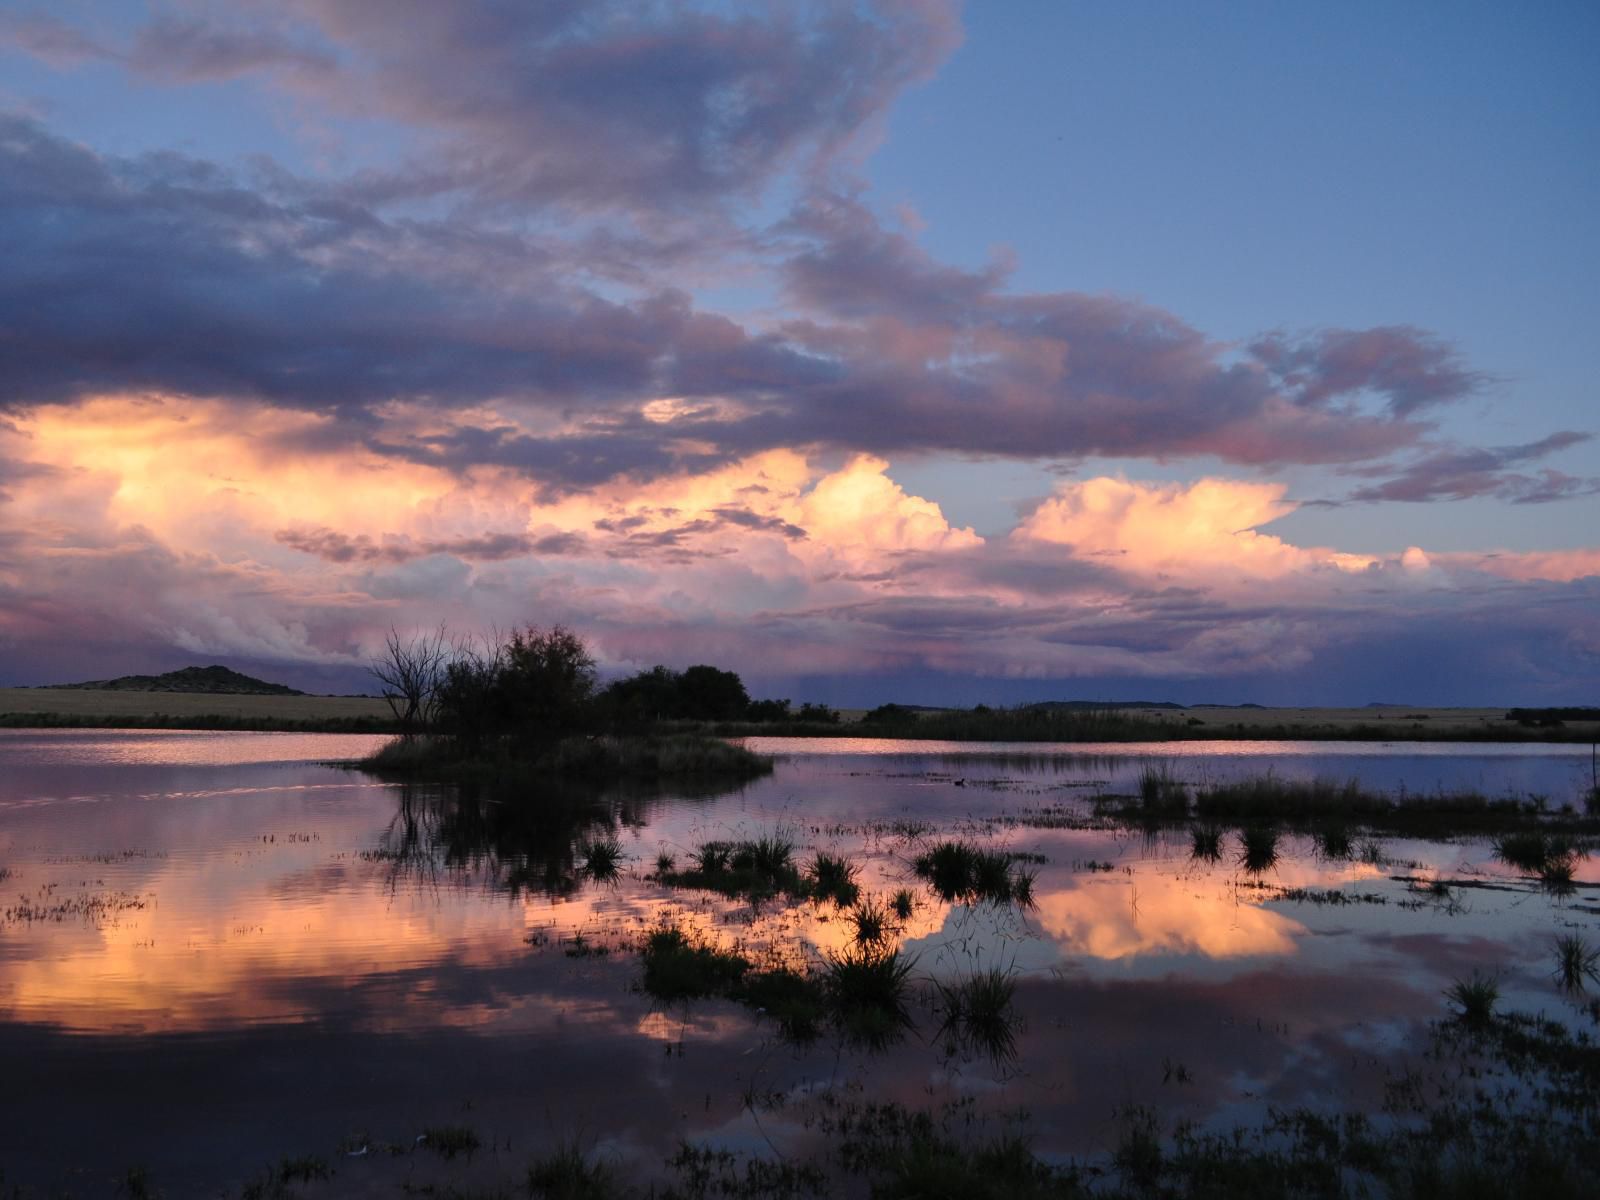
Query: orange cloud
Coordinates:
[1205,528]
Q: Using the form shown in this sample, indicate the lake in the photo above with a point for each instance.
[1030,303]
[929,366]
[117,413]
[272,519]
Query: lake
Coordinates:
[219,952]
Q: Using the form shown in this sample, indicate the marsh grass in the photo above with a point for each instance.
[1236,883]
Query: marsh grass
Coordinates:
[676,968]
[1577,962]
[567,1173]
[1161,792]
[1205,843]
[867,990]
[601,858]
[902,904]
[1258,849]
[1474,999]
[1334,843]
[961,873]
[871,921]
[756,869]
[833,877]
[796,1002]
[679,756]
[451,1141]
[977,1014]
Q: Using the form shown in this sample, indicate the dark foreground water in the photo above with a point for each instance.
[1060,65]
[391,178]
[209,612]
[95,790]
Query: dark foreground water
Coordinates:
[216,952]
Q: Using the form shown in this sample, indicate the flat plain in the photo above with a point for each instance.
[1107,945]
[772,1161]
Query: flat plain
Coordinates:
[89,705]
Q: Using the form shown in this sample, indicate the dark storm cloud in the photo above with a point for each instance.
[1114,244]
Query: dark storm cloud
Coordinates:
[1462,474]
[168,274]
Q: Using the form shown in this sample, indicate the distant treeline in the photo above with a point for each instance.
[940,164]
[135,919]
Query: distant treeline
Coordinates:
[1547,717]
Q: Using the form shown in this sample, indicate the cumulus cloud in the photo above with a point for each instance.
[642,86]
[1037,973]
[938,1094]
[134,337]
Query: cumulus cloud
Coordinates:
[469,374]
[1206,528]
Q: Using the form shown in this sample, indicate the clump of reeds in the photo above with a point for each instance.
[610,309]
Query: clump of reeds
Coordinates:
[1576,962]
[448,1141]
[678,968]
[978,1015]
[871,921]
[903,904]
[1334,843]
[567,1173]
[1258,851]
[833,877]
[601,858]
[1161,792]
[1474,998]
[866,988]
[1205,843]
[962,873]
[756,868]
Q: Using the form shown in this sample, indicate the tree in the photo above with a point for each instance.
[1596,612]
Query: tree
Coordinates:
[410,672]
[709,694]
[546,681]
[470,702]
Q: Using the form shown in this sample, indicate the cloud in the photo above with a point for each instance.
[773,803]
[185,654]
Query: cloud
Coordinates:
[1465,473]
[335,547]
[1206,529]
[1411,368]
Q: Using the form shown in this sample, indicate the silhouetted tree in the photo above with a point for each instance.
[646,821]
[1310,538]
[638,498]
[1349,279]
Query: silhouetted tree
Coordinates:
[708,694]
[409,672]
[546,682]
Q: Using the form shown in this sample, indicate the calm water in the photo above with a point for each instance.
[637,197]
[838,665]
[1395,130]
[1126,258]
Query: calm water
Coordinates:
[217,950]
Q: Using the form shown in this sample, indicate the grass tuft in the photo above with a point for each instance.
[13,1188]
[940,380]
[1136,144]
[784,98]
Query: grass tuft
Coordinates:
[1576,962]
[978,1015]
[833,877]
[1474,999]
[567,1173]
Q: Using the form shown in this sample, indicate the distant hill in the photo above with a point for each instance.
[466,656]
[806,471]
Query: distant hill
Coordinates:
[214,679]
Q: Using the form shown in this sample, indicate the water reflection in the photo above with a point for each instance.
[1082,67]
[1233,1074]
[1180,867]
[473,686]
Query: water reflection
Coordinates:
[305,916]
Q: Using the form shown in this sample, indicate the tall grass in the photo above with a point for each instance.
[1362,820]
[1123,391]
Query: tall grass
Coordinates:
[1161,792]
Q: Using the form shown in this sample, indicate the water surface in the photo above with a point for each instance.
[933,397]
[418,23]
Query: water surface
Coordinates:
[216,950]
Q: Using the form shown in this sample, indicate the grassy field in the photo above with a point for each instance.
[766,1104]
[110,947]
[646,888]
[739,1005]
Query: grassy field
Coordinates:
[52,707]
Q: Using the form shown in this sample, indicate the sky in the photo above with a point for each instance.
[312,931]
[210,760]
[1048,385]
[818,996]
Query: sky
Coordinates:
[891,351]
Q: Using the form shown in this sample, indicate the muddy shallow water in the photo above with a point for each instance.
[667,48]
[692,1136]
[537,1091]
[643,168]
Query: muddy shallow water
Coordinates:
[216,951]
